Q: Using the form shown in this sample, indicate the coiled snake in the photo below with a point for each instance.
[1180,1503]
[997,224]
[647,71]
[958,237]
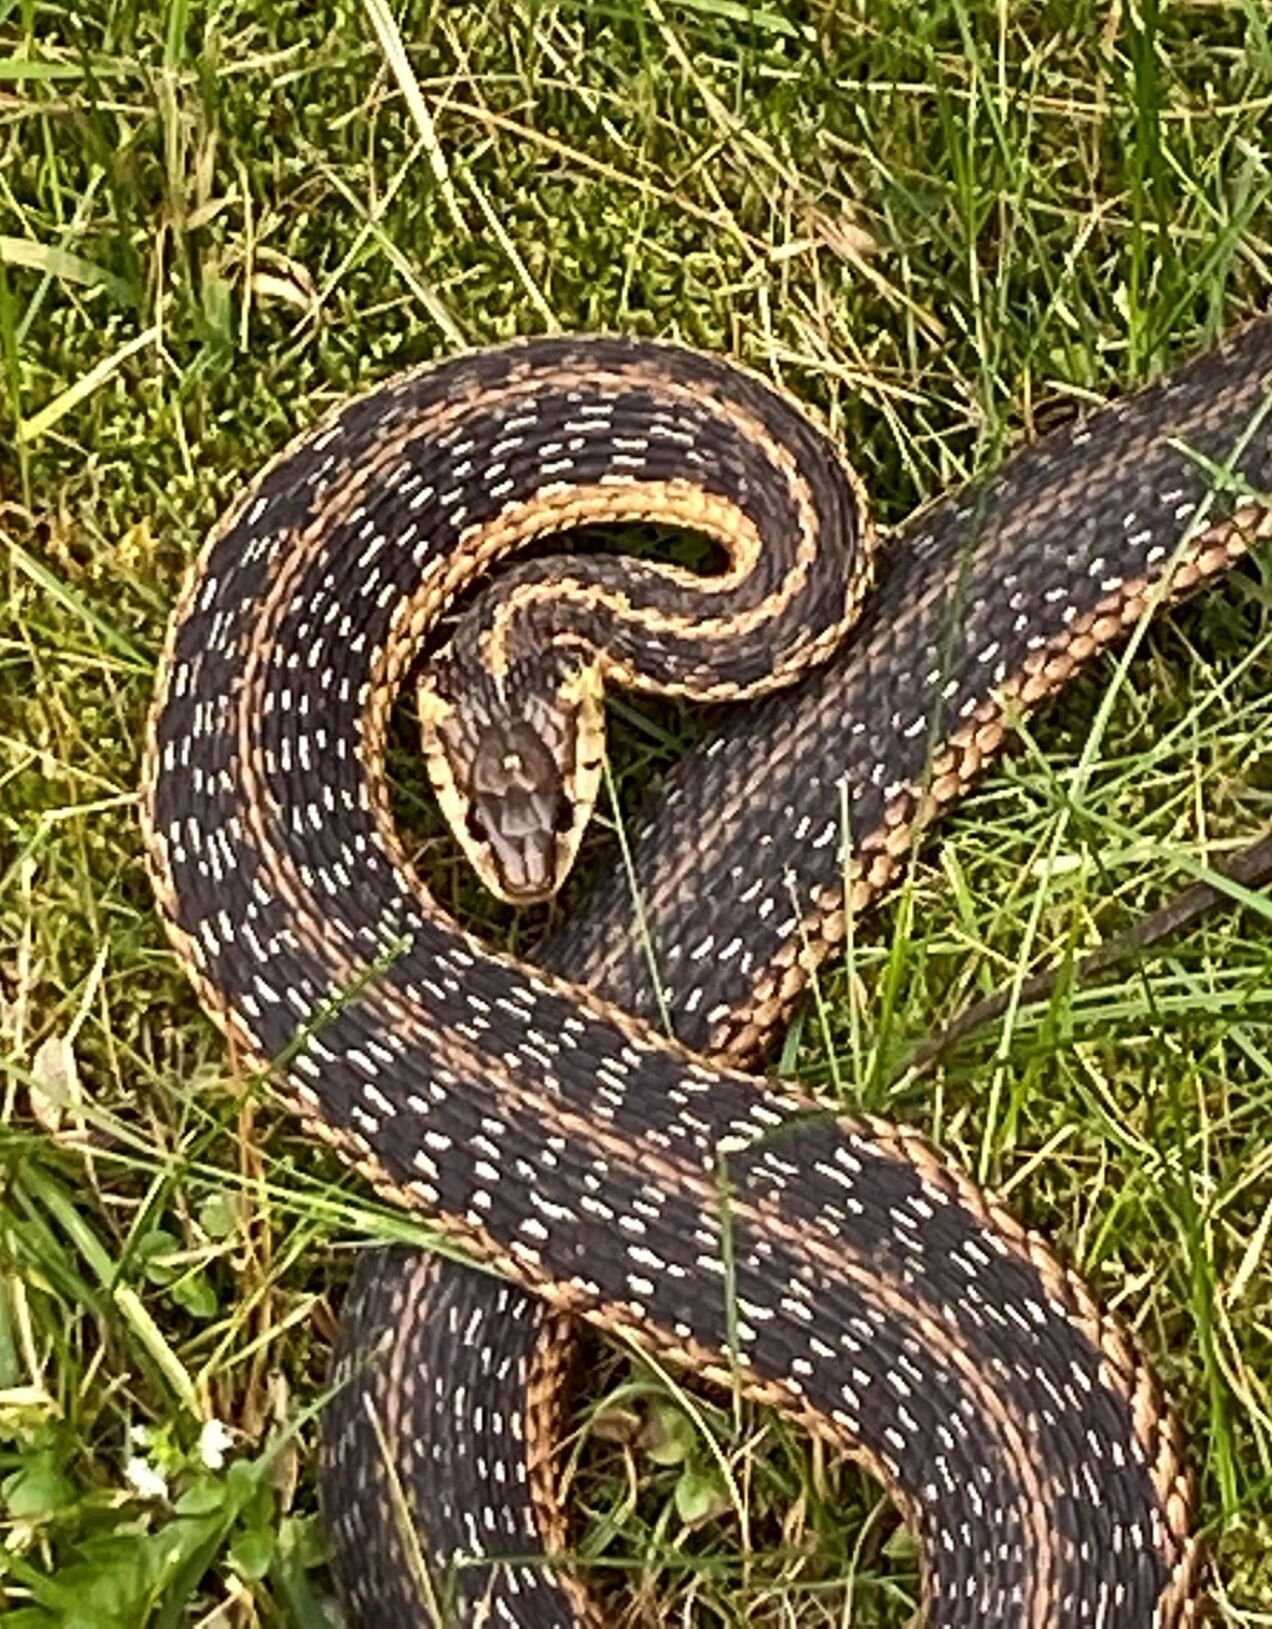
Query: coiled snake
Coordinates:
[834,1267]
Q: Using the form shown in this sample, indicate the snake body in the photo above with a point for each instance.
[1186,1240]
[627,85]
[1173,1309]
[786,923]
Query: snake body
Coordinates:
[834,1267]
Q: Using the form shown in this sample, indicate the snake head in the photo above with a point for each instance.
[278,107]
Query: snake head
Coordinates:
[516,782]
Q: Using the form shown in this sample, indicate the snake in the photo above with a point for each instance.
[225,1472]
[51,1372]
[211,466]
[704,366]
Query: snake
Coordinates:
[834,1266]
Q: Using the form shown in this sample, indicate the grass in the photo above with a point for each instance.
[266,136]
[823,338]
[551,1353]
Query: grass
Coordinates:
[944,223]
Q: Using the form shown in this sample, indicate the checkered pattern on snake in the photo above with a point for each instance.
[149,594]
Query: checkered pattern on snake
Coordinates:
[834,1267]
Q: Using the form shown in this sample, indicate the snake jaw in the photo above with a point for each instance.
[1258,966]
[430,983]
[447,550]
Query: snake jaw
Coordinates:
[517,790]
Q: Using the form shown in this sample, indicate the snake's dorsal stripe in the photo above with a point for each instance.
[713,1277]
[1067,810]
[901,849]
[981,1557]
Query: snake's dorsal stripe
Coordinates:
[568,1145]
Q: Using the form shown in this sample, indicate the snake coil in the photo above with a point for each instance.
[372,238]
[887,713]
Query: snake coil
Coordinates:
[832,1266]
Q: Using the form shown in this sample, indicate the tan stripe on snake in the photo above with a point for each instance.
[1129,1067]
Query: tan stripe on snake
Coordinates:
[833,1267]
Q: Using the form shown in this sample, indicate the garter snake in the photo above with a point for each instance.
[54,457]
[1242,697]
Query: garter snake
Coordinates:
[833,1267]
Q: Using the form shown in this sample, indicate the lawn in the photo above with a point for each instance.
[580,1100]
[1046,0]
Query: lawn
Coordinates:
[946,225]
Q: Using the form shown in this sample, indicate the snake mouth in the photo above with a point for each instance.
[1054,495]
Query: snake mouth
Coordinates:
[524,860]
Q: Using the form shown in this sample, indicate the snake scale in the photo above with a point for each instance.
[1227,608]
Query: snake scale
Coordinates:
[833,1266]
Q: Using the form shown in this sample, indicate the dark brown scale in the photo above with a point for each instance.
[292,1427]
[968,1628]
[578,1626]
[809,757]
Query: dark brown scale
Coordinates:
[443,1350]
[510,1108]
[942,596]
[719,859]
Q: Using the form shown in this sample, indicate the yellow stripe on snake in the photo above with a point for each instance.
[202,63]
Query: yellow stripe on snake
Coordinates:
[834,1267]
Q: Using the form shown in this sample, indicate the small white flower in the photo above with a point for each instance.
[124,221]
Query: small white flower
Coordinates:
[146,1480]
[215,1441]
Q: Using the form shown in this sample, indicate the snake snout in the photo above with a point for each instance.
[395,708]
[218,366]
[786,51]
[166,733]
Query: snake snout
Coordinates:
[519,807]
